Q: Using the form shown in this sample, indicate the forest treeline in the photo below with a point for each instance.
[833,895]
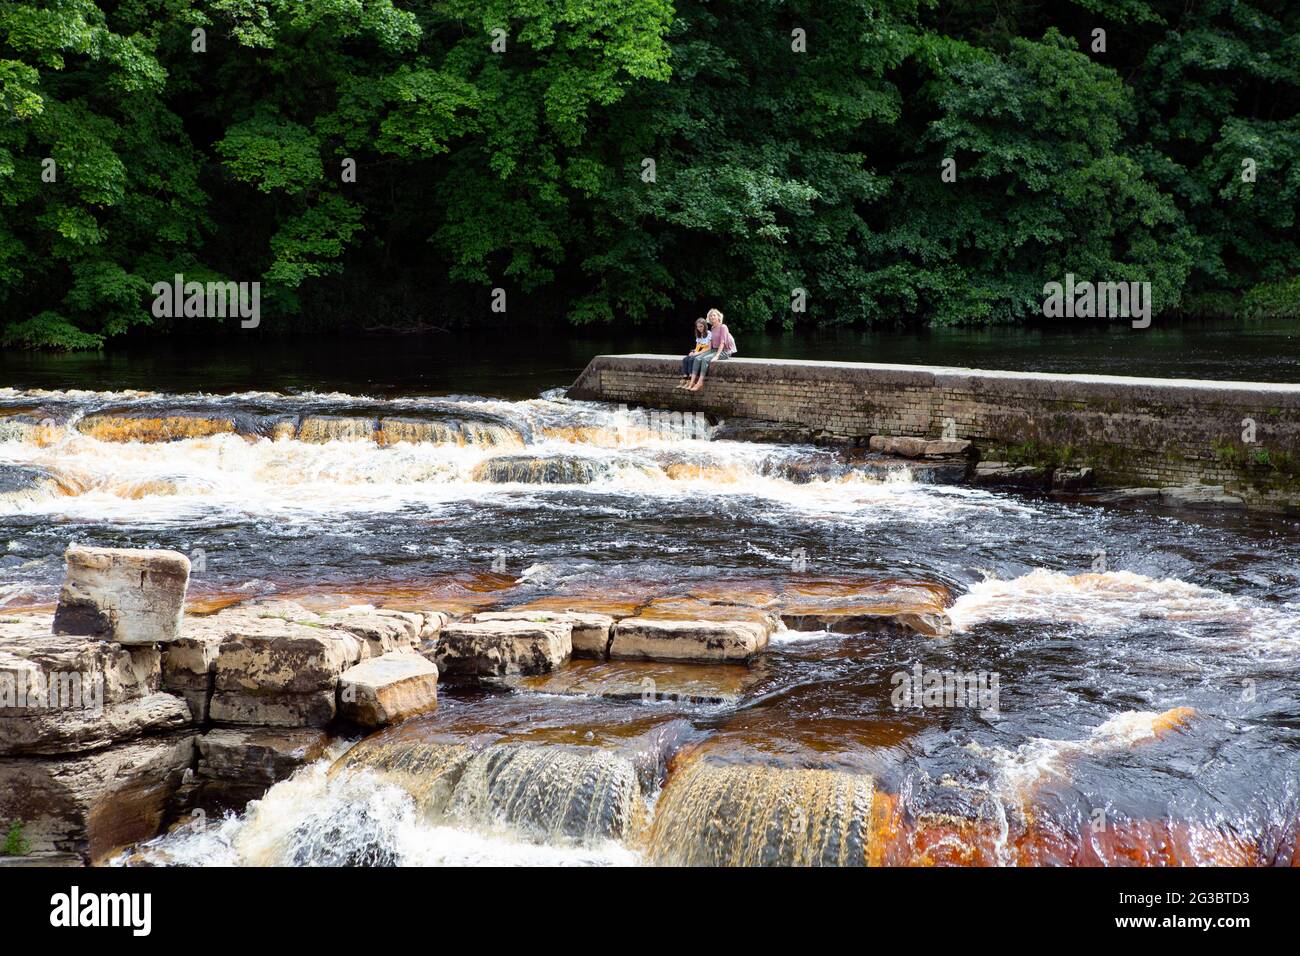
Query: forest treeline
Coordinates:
[391,163]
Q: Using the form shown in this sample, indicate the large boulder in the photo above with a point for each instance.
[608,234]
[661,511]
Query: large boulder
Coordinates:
[96,803]
[590,630]
[639,638]
[498,648]
[124,595]
[388,689]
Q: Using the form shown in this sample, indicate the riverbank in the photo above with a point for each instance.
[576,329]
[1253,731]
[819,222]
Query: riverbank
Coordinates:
[1226,443]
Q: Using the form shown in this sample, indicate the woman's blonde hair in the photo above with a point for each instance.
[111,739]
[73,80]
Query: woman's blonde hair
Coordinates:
[711,311]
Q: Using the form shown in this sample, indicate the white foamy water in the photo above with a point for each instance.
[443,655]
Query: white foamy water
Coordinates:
[1039,759]
[1119,601]
[229,475]
[313,819]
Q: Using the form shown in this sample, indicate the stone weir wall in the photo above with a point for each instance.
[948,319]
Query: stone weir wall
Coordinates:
[1244,436]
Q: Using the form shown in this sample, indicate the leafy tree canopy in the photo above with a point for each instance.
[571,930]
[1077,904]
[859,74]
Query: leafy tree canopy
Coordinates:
[376,162]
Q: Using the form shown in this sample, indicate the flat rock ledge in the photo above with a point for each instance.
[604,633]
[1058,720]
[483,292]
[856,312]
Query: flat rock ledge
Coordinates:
[132,717]
[590,631]
[924,623]
[1190,497]
[638,638]
[919,447]
[503,647]
[118,715]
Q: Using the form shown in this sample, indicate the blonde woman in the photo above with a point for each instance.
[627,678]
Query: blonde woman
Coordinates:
[721,346]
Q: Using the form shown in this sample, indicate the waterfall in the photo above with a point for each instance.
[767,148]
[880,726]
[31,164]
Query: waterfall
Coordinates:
[549,794]
[713,813]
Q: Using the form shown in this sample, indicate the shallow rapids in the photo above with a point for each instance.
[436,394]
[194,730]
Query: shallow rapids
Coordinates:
[1145,708]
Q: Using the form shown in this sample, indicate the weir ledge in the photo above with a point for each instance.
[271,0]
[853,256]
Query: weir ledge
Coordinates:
[1242,437]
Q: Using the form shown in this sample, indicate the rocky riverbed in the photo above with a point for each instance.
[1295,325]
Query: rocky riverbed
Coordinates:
[119,714]
[459,630]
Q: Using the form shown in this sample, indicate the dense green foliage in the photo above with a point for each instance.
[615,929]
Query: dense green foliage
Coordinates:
[639,160]
[14,843]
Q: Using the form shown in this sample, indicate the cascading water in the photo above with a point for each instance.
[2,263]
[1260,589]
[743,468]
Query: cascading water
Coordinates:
[1145,706]
[719,814]
[551,794]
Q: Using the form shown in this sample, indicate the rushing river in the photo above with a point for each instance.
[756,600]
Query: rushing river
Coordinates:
[1143,664]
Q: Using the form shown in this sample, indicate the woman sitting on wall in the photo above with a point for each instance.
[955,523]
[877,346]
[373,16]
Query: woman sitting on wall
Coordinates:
[721,346]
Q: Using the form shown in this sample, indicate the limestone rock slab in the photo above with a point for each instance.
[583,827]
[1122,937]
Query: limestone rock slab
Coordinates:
[94,804]
[238,764]
[388,689]
[310,709]
[380,631]
[94,725]
[285,658]
[498,648]
[131,596]
[696,683]
[1201,497]
[654,639]
[128,672]
[909,447]
[590,630]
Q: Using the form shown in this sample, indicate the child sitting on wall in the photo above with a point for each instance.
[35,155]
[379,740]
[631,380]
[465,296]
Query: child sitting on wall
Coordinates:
[701,345]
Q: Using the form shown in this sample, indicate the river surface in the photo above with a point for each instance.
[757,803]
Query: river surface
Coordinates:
[1144,662]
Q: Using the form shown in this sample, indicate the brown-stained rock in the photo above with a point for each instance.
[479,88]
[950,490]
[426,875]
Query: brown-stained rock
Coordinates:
[238,764]
[308,709]
[639,638]
[388,689]
[498,648]
[126,595]
[95,803]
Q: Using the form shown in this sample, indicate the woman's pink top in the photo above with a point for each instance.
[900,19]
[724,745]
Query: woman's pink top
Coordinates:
[720,338]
